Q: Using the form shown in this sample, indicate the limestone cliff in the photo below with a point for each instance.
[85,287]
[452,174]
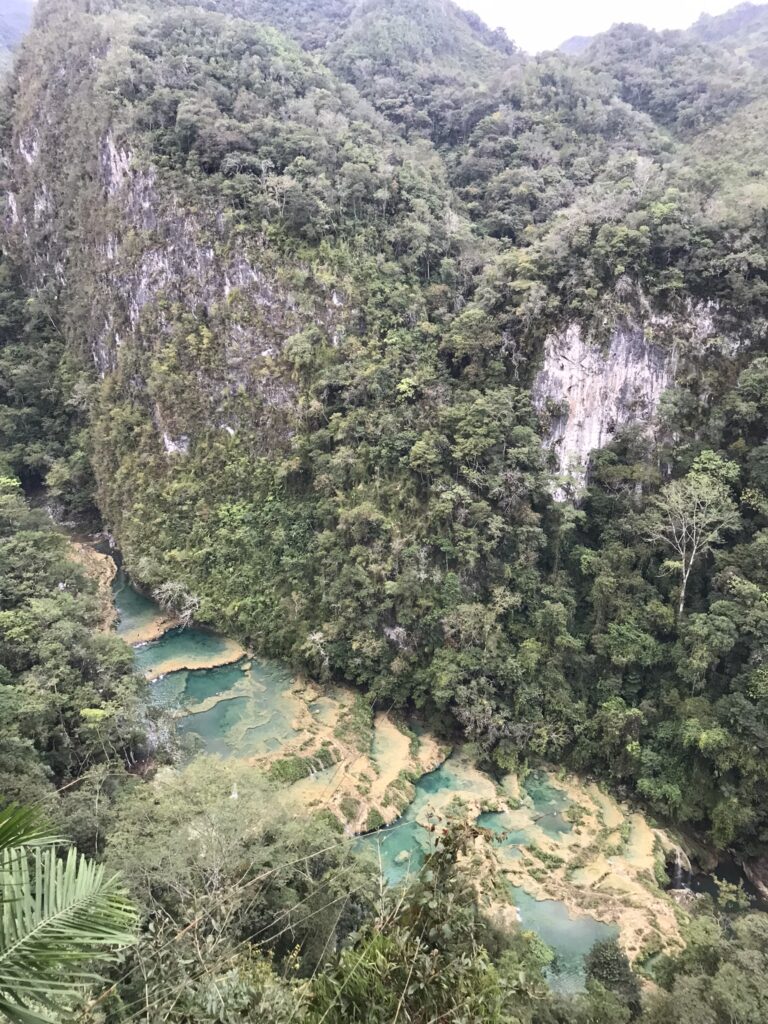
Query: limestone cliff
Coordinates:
[216,269]
[148,261]
[588,391]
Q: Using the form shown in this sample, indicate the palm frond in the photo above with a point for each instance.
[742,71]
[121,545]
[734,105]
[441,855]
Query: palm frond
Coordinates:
[18,1014]
[23,826]
[55,916]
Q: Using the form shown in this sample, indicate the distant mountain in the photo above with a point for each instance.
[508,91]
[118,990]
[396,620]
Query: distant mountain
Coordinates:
[744,29]
[575,45]
[428,67]
[739,22]
[15,18]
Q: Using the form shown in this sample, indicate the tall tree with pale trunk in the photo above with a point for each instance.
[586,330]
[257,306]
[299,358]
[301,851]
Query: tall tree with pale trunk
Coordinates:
[691,515]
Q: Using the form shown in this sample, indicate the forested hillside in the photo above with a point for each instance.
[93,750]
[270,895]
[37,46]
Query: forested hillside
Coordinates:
[315,327]
[428,366]
[743,28]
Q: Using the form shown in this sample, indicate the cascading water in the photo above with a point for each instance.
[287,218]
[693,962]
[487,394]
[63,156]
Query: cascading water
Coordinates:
[679,869]
[678,881]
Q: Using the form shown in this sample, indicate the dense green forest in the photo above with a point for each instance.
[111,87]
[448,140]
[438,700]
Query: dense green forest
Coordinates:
[279,284]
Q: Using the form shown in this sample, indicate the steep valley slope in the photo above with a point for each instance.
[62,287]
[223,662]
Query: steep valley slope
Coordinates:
[328,307]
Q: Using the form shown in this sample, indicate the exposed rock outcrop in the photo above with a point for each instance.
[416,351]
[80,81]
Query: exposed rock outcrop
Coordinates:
[756,870]
[150,259]
[101,569]
[591,390]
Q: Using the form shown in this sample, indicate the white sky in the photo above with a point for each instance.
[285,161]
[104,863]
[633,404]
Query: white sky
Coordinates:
[543,24]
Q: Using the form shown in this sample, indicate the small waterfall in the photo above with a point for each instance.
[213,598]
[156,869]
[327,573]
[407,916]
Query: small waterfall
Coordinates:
[677,871]
[681,870]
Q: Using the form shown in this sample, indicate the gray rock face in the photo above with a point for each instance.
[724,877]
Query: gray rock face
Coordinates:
[115,164]
[589,391]
[756,870]
[149,260]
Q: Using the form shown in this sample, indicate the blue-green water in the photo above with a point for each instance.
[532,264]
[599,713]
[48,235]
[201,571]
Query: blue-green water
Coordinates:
[134,610]
[206,682]
[549,803]
[168,691]
[213,728]
[496,823]
[256,719]
[188,687]
[570,938]
[186,647]
[402,847]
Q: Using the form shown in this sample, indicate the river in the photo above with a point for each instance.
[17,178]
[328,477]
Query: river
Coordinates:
[580,867]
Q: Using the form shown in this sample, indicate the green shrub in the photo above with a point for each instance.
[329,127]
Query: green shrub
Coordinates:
[374,820]
[349,807]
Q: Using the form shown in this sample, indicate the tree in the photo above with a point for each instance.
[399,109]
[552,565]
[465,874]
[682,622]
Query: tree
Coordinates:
[721,977]
[433,952]
[691,515]
[175,599]
[253,886]
[607,964]
[56,916]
